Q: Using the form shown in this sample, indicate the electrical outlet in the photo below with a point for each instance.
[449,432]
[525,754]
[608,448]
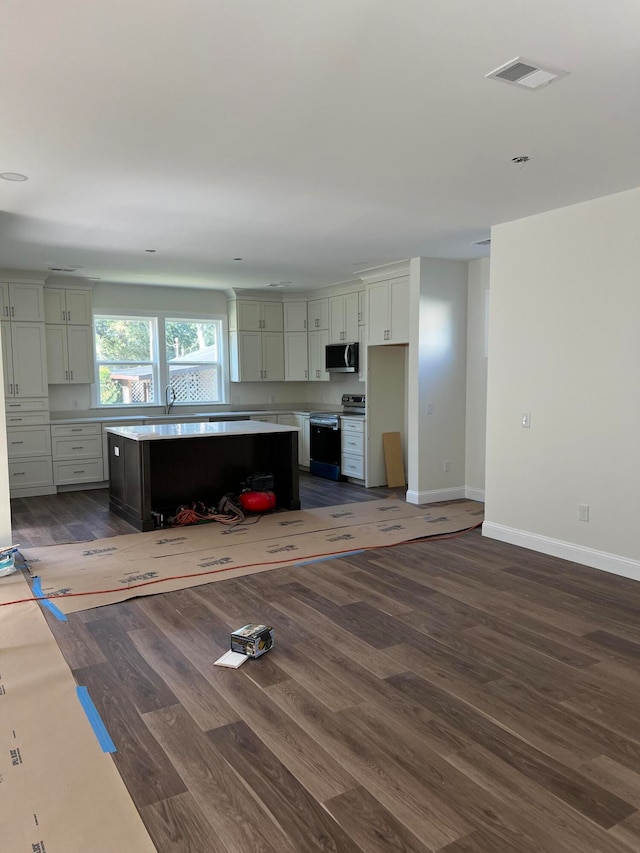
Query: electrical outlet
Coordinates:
[429,408]
[446,466]
[583,512]
[75,404]
[526,420]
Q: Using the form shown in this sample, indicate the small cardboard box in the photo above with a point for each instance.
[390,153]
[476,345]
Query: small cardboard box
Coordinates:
[252,640]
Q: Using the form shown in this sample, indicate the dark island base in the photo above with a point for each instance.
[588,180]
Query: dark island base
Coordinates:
[149,480]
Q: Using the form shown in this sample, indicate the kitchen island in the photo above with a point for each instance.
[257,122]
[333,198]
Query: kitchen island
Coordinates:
[155,469]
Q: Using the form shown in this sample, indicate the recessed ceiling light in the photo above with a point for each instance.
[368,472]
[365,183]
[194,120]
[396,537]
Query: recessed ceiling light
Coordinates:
[13,176]
[485,242]
[521,159]
[55,269]
[237,259]
[151,251]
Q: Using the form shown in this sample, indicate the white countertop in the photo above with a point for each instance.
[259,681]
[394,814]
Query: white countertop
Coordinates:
[198,430]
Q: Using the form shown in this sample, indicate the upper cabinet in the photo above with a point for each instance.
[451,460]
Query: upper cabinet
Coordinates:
[388,311]
[21,301]
[24,360]
[252,315]
[318,314]
[67,305]
[295,316]
[343,318]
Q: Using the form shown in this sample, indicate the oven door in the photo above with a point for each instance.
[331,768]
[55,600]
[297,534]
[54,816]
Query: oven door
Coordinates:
[325,450]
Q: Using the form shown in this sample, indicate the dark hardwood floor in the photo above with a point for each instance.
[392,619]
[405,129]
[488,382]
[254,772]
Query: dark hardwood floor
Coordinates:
[459,695]
[83,515]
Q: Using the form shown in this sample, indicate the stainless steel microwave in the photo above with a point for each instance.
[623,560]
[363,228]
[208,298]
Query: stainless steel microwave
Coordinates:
[341,358]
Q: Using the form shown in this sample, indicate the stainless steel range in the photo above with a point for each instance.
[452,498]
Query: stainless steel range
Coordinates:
[325,436]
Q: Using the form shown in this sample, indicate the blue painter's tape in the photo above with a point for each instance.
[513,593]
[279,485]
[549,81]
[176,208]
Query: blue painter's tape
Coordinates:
[37,591]
[95,720]
[331,557]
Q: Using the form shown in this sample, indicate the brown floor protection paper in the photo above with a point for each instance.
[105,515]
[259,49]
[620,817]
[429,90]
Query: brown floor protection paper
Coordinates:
[175,558]
[58,790]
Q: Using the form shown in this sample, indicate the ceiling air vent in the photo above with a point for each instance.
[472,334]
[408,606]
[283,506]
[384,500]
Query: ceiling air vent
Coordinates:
[529,75]
[486,242]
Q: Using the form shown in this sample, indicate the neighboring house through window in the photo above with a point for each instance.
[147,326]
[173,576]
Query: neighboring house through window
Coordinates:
[137,357]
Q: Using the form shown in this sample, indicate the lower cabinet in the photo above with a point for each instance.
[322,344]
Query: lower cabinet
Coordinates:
[29,457]
[77,453]
[352,431]
[302,422]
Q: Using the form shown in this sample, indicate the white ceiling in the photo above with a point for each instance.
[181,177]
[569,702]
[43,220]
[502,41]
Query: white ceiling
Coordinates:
[308,137]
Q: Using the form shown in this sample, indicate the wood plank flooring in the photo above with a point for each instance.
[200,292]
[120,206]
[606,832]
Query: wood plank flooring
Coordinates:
[460,695]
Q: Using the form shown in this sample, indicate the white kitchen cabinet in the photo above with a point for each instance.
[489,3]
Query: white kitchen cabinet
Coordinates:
[296,357]
[388,311]
[352,434]
[287,419]
[318,314]
[28,441]
[362,307]
[295,316]
[317,345]
[253,315]
[256,356]
[24,360]
[70,355]
[304,433]
[30,477]
[67,305]
[77,453]
[343,318]
[362,353]
[21,301]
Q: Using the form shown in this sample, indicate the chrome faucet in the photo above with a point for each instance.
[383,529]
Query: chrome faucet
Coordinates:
[169,398]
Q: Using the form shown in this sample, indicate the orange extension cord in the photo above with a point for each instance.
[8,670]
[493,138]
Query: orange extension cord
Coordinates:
[243,566]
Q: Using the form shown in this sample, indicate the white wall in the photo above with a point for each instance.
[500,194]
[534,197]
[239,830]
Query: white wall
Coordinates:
[564,345]
[437,375]
[478,290]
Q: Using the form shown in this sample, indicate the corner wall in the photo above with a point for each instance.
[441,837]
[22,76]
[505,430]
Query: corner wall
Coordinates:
[565,347]
[476,415]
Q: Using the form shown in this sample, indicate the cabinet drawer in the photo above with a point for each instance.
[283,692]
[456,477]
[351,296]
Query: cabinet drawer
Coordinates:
[29,441]
[80,471]
[353,466]
[58,430]
[27,419]
[352,425]
[28,473]
[77,447]
[35,405]
[353,443]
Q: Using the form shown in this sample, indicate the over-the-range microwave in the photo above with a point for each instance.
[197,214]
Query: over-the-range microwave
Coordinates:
[341,358]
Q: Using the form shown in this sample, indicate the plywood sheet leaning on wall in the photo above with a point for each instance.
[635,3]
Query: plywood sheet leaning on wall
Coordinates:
[393,459]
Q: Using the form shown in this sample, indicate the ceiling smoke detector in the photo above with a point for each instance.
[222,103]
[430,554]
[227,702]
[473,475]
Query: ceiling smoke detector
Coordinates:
[526,74]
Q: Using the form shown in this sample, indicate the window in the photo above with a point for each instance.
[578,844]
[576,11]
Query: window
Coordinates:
[137,357]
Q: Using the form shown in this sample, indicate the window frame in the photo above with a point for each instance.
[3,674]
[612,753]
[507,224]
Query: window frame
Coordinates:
[160,364]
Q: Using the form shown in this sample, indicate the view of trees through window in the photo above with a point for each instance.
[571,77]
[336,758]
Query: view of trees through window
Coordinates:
[132,369]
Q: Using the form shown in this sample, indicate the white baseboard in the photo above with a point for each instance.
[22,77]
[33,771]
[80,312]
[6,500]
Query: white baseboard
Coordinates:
[474,494]
[413,497]
[565,550]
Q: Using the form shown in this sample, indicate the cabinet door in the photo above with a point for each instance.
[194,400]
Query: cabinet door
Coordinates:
[249,315]
[247,359]
[57,355]
[79,307]
[336,320]
[7,360]
[317,344]
[4,300]
[55,309]
[29,352]
[362,307]
[296,359]
[80,352]
[302,422]
[272,317]
[351,308]
[318,314]
[378,312]
[26,301]
[295,316]
[273,356]
[362,354]
[399,309]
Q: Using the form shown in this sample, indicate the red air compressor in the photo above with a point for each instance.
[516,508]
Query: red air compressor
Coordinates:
[257,495]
